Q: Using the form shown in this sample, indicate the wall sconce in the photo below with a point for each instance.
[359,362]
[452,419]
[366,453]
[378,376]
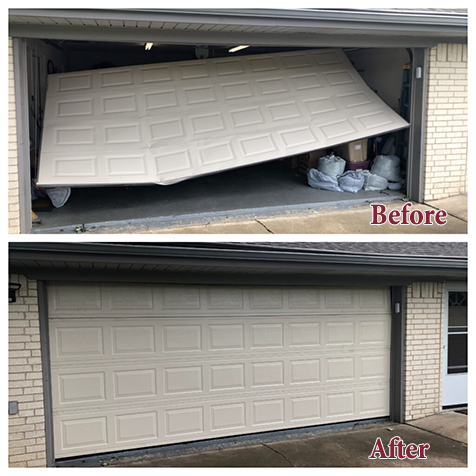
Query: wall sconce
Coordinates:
[12,289]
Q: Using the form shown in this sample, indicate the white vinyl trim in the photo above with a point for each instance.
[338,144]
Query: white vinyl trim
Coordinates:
[168,122]
[146,365]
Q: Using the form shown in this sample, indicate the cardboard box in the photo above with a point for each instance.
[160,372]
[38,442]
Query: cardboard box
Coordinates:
[355,151]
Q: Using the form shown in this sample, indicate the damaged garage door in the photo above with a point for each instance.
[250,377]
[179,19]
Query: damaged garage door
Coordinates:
[168,122]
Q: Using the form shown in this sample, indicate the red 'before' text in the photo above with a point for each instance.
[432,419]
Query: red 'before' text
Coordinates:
[405,216]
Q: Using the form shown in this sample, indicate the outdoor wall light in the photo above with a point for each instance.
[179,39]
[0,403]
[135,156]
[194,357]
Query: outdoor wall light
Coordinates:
[12,289]
[148,46]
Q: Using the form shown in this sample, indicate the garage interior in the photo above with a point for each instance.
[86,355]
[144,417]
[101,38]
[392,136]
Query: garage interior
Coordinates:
[266,189]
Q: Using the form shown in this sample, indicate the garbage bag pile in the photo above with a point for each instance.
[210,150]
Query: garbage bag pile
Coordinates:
[329,175]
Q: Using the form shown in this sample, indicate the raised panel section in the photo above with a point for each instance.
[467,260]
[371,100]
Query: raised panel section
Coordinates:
[225,298]
[126,164]
[80,107]
[268,412]
[339,369]
[131,297]
[305,334]
[373,332]
[180,297]
[79,341]
[187,421]
[305,408]
[183,380]
[340,333]
[227,336]
[226,377]
[373,366]
[230,416]
[182,338]
[133,340]
[80,388]
[305,371]
[374,400]
[267,336]
[304,298]
[119,104]
[341,404]
[119,77]
[266,298]
[84,433]
[136,426]
[74,82]
[76,297]
[338,298]
[134,383]
[267,374]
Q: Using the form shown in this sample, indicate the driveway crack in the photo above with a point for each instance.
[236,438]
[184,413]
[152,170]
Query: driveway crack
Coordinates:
[279,453]
[264,226]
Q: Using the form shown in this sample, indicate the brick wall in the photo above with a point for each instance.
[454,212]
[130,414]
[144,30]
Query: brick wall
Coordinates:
[424,338]
[446,134]
[27,428]
[13,187]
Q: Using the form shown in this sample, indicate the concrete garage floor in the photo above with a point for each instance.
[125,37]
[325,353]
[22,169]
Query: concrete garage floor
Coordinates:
[270,189]
[446,433]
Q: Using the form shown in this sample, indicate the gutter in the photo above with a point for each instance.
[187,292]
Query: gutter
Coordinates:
[118,252]
[347,19]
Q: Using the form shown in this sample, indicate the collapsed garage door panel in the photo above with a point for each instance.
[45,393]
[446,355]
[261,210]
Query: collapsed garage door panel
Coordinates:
[303,356]
[168,122]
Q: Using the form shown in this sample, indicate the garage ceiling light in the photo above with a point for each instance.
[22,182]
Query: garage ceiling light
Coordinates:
[238,48]
[148,46]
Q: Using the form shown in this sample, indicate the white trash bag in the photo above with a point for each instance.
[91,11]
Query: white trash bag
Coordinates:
[317,179]
[374,183]
[331,165]
[58,196]
[395,185]
[387,166]
[352,181]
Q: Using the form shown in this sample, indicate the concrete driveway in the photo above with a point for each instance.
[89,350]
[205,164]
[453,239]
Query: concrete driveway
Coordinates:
[332,220]
[347,447]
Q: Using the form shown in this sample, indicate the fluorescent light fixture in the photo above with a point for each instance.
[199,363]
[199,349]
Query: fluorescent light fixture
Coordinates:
[238,48]
[148,46]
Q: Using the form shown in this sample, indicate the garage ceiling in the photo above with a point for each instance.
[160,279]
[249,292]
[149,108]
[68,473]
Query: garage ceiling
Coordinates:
[169,122]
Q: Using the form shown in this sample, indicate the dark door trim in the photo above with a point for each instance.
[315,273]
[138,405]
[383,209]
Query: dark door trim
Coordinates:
[397,353]
[416,145]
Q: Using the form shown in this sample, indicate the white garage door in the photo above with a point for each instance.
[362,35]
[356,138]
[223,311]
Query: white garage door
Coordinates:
[145,365]
[167,122]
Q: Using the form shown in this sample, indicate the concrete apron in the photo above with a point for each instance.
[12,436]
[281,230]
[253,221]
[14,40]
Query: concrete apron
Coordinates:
[340,445]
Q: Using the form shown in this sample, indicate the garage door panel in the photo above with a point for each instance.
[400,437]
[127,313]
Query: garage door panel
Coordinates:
[112,300]
[177,422]
[140,366]
[248,109]
[142,382]
[212,337]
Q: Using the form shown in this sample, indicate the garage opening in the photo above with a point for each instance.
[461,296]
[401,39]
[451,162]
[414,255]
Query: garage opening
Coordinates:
[142,365]
[266,189]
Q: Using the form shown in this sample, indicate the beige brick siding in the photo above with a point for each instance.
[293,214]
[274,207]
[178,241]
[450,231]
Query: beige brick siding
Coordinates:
[27,428]
[424,338]
[446,134]
[13,186]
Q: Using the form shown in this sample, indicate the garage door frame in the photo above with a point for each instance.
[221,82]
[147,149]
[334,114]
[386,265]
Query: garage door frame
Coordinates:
[416,144]
[398,309]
